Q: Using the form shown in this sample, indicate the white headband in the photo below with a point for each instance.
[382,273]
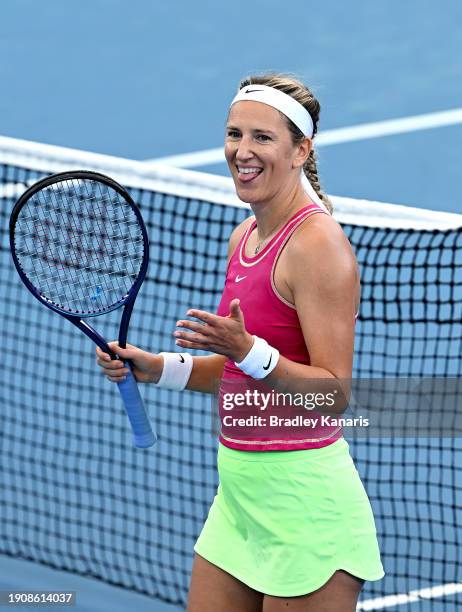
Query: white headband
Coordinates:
[293,110]
[281,102]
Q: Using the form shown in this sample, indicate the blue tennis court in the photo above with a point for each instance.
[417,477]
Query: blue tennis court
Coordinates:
[388,78]
[171,71]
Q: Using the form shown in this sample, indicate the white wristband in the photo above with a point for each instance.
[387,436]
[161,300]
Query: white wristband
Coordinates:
[260,360]
[176,371]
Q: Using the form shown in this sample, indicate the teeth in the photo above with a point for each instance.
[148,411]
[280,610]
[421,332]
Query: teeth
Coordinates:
[249,170]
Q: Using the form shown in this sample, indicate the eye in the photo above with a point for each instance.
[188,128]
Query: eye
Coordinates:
[232,134]
[263,137]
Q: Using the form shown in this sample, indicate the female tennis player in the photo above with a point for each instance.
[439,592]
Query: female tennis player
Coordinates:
[291,526]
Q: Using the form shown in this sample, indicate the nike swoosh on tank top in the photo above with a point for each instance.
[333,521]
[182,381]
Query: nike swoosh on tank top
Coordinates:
[268,315]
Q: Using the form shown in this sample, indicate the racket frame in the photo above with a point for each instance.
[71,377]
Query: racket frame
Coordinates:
[128,301]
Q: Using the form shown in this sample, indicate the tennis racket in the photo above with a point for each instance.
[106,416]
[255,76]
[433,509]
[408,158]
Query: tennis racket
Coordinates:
[80,246]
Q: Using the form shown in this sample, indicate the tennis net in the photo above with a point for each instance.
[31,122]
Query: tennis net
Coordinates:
[77,496]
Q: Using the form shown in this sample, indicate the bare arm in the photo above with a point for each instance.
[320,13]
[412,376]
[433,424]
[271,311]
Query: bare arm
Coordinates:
[324,290]
[147,367]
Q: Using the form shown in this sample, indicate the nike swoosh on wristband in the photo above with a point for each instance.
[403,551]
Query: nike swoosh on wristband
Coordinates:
[181,358]
[269,363]
[238,278]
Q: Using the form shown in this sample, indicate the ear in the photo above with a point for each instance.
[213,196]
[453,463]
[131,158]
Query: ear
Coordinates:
[302,151]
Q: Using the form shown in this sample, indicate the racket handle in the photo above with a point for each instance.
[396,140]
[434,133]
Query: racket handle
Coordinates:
[143,435]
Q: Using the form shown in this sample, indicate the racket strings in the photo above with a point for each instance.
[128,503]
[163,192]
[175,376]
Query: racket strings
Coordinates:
[80,244]
[83,252]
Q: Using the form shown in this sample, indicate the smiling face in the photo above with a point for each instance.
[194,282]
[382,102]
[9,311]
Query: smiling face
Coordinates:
[264,162]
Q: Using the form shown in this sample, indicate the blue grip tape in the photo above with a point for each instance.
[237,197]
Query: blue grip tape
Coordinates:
[143,435]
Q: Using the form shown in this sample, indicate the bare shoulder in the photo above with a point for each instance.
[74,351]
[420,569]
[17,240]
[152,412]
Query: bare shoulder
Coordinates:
[319,259]
[321,242]
[237,234]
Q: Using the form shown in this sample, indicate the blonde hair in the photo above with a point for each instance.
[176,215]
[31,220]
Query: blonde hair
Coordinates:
[300,92]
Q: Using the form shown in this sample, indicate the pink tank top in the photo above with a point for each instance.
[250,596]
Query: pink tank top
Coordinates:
[268,315]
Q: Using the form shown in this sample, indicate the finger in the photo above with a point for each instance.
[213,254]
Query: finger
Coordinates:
[203,315]
[235,308]
[102,356]
[113,346]
[191,337]
[128,352]
[112,367]
[116,379]
[193,325]
[114,374]
[193,345]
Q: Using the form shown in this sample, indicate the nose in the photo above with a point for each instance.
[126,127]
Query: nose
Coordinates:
[244,149]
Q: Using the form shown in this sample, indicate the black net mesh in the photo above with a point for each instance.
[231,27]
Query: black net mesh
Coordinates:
[76,495]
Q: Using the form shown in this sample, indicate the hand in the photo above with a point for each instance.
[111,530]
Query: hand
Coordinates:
[146,367]
[223,335]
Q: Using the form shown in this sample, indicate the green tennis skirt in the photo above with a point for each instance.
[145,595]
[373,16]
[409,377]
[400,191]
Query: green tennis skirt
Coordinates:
[283,522]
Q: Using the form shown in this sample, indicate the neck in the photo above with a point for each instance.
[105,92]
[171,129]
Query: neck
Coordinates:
[270,216]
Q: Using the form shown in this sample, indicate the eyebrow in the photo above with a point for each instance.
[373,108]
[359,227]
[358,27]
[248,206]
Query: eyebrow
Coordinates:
[256,130]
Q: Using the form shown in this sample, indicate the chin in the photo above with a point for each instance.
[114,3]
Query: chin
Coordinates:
[247,196]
